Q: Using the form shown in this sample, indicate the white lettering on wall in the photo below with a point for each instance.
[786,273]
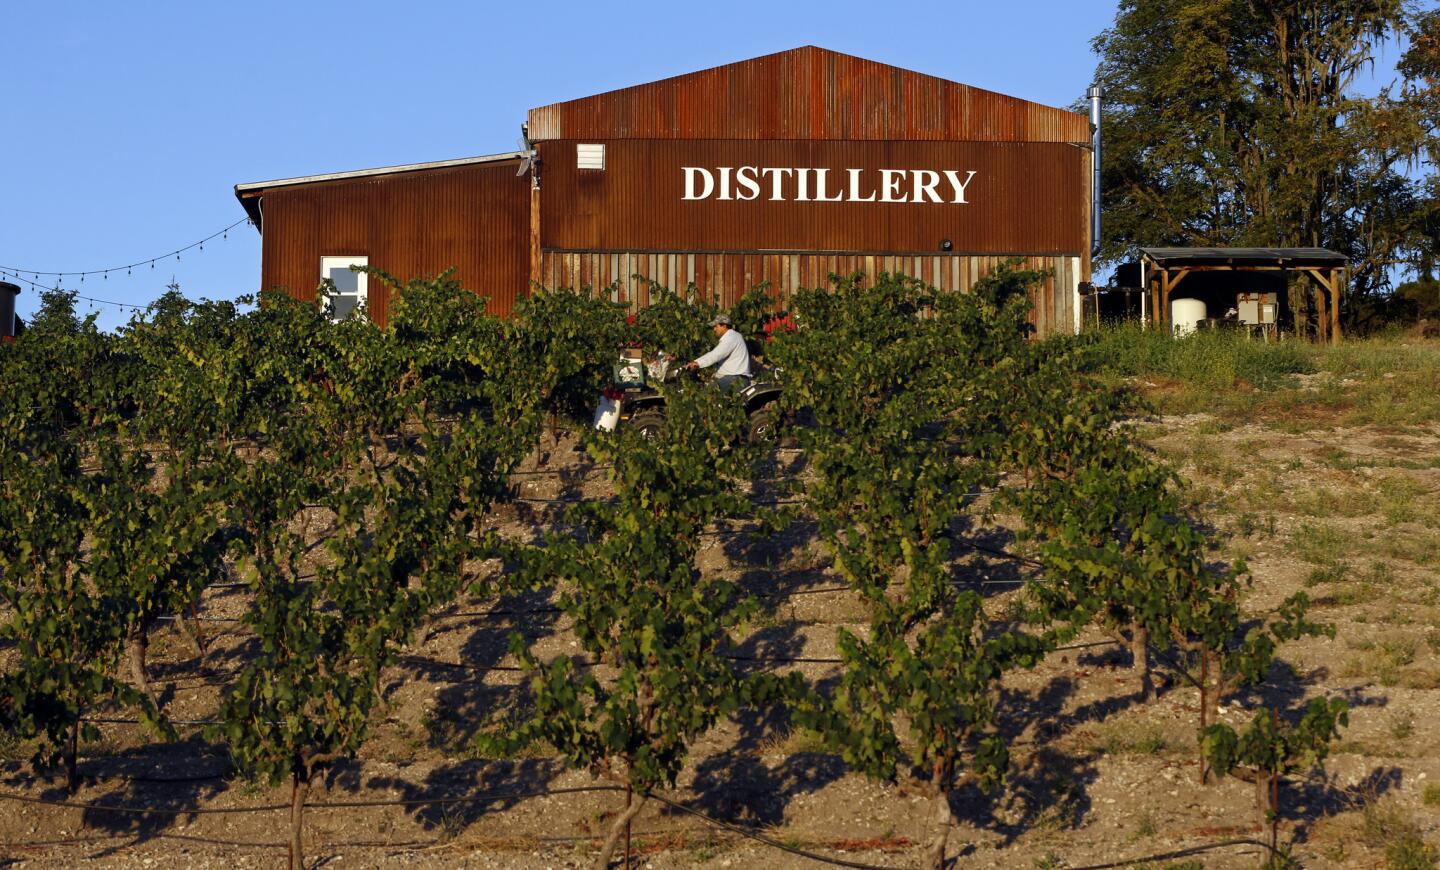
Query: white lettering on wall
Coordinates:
[925,181]
[855,187]
[954,178]
[745,180]
[820,179]
[777,179]
[890,181]
[693,172]
[802,185]
[811,184]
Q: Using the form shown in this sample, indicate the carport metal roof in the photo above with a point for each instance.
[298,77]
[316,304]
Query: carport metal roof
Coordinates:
[1287,258]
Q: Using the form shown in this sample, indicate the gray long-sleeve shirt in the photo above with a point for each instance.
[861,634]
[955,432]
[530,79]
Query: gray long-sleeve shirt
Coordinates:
[731,353]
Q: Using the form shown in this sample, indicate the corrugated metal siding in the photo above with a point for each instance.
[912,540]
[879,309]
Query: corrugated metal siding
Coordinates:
[1026,198]
[807,93]
[412,225]
[730,275]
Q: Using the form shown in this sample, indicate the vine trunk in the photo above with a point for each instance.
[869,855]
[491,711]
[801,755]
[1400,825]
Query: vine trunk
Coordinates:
[299,789]
[618,829]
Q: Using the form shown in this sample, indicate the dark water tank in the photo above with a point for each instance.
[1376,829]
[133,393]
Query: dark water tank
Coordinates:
[8,292]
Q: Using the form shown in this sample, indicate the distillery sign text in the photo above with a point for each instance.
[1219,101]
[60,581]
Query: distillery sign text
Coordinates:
[802,184]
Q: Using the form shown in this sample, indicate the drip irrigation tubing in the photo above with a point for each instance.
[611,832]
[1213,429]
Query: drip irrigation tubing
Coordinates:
[438,801]
[189,838]
[612,499]
[183,723]
[761,838]
[425,660]
[130,809]
[819,591]
[577,662]
[560,471]
[162,780]
[991,551]
[1086,645]
[463,799]
[735,829]
[1179,853]
[486,797]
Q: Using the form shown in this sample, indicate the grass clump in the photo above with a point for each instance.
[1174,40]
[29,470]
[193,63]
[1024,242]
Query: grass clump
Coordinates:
[1319,544]
[1385,663]
[1386,825]
[1328,574]
[1387,381]
[1206,361]
[1410,852]
[1119,738]
[1402,726]
[1250,523]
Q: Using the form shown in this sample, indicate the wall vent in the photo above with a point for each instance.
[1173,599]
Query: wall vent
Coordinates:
[589,156]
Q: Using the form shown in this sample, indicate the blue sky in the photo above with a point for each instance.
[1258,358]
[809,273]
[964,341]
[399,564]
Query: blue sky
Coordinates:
[125,126]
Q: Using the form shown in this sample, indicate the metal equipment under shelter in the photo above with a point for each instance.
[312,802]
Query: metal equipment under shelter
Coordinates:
[1248,287]
[781,170]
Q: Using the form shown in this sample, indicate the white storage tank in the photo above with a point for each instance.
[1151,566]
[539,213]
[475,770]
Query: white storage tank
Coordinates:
[1184,314]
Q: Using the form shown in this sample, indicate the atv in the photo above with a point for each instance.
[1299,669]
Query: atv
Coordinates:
[636,402]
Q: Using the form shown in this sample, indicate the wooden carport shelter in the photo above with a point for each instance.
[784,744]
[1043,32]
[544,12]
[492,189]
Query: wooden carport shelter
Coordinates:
[1166,268]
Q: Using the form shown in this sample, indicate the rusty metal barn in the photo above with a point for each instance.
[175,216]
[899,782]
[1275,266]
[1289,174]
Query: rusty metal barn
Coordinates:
[782,169]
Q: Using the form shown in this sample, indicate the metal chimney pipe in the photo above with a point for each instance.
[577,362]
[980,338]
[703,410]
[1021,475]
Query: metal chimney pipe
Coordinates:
[1094,94]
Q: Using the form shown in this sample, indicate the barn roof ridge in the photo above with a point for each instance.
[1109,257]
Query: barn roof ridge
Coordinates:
[248,192]
[662,106]
[808,47]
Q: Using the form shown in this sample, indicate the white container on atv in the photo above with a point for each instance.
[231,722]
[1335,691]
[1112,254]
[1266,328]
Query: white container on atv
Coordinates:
[607,413]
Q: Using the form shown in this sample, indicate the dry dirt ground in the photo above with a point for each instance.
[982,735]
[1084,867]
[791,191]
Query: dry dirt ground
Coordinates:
[1097,775]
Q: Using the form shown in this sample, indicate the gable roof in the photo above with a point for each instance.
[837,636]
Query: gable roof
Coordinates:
[807,93]
[249,192]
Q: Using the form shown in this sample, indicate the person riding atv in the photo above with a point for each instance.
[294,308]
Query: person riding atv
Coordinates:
[730,352]
[635,401]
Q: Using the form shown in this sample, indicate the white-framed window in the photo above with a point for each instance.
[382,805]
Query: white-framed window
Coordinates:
[352,289]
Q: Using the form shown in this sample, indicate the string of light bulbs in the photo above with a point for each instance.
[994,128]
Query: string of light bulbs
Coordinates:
[16,271]
[39,286]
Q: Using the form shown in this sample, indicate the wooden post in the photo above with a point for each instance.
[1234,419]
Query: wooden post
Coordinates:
[1162,313]
[1335,278]
[534,226]
[1327,301]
